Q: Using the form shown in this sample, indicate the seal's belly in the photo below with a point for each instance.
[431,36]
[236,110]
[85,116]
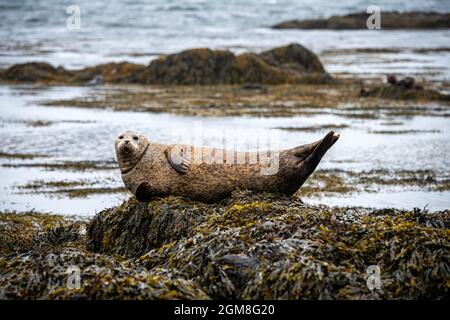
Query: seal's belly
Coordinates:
[216,181]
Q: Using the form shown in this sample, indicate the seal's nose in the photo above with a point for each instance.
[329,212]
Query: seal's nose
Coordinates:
[127,142]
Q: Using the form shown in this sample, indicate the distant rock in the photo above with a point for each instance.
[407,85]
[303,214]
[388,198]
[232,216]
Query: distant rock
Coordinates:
[123,72]
[35,72]
[403,89]
[389,20]
[290,64]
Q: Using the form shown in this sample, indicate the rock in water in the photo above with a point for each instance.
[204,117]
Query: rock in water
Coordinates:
[389,20]
[290,64]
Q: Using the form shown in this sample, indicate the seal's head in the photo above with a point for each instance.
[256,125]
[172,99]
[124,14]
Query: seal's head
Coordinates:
[130,147]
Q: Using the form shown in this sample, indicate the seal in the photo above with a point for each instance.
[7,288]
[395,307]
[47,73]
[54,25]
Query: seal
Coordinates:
[210,175]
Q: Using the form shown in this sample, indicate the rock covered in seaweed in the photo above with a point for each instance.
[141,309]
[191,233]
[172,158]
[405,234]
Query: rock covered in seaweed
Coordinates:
[37,252]
[389,20]
[403,89]
[35,72]
[275,247]
[24,232]
[290,64]
[250,246]
[123,72]
[44,275]
[133,228]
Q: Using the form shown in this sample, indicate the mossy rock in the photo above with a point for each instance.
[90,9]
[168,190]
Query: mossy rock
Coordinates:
[387,91]
[290,64]
[195,66]
[38,250]
[22,232]
[265,246]
[123,72]
[45,275]
[35,72]
[134,228]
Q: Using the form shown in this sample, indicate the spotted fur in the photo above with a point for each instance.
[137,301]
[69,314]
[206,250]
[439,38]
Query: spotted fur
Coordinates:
[150,173]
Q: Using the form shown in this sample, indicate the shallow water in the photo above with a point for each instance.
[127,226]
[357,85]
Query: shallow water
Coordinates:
[74,134]
[139,31]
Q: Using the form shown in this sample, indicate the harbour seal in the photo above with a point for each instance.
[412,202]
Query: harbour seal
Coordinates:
[151,169]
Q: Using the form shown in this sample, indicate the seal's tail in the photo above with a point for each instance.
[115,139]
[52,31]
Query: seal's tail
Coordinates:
[312,153]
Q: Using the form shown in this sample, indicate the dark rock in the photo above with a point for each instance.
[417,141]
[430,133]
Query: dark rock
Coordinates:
[392,79]
[407,82]
[405,93]
[363,92]
[389,20]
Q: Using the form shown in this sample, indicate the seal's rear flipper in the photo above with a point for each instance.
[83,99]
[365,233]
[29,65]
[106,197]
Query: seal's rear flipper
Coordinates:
[317,151]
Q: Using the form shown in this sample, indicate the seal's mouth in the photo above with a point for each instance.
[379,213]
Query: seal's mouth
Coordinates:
[126,150]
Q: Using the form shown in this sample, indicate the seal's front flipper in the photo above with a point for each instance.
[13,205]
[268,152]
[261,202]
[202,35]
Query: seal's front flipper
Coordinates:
[178,159]
[318,151]
[144,192]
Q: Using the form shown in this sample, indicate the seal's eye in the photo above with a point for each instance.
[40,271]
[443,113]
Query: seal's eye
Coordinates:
[135,138]
[121,137]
